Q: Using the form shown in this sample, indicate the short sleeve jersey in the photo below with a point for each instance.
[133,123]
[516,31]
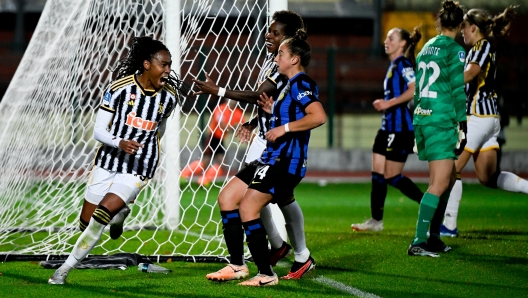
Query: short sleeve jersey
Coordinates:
[399,76]
[291,150]
[269,72]
[439,90]
[137,114]
[481,96]
[224,116]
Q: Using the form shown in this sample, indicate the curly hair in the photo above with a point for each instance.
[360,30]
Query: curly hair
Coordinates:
[292,21]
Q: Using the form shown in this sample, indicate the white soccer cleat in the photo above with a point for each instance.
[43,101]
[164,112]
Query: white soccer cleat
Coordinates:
[59,277]
[370,225]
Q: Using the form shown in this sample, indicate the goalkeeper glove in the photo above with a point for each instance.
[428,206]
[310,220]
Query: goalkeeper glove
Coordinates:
[462,137]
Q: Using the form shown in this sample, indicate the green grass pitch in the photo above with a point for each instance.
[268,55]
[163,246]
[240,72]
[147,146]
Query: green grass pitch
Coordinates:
[489,258]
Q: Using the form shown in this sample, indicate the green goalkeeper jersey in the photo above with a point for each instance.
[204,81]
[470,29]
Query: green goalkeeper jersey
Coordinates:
[439,91]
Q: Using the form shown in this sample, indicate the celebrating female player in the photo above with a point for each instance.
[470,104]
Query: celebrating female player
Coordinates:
[130,122]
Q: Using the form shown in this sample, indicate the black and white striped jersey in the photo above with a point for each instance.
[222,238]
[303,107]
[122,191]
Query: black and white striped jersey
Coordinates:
[269,71]
[481,99]
[137,114]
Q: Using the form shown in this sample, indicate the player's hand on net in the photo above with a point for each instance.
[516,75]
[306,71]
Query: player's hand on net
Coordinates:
[206,87]
[130,146]
[265,103]
[462,137]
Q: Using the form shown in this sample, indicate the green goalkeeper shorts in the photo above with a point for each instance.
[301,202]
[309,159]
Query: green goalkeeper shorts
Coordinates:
[435,143]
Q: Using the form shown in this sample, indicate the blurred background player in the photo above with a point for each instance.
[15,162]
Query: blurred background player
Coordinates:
[395,139]
[284,24]
[440,108]
[283,164]
[225,117]
[130,134]
[483,119]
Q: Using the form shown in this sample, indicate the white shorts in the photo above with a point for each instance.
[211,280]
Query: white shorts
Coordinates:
[255,150]
[102,181]
[482,133]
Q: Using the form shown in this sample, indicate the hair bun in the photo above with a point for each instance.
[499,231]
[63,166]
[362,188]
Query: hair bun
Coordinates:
[449,5]
[301,34]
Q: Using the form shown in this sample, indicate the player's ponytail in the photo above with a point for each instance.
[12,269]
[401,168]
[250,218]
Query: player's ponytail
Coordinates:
[299,47]
[450,16]
[501,23]
[496,27]
[411,41]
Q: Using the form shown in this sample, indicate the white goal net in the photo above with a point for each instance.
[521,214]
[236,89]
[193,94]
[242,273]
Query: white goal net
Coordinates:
[48,112]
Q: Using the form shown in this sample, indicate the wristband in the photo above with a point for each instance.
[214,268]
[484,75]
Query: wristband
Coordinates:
[287,127]
[115,142]
[221,92]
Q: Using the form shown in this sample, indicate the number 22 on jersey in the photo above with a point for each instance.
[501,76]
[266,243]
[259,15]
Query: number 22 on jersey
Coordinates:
[431,66]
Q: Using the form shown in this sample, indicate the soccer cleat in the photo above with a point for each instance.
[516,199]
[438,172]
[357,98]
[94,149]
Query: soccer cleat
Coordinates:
[280,253]
[59,277]
[445,232]
[116,226]
[261,280]
[421,249]
[370,225]
[299,269]
[229,272]
[437,245]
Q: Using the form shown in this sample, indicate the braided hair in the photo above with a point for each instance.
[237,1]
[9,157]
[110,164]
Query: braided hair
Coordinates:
[145,48]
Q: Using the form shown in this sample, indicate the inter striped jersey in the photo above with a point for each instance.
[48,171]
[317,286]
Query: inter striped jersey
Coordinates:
[137,113]
[291,150]
[269,72]
[399,76]
[439,88]
[481,97]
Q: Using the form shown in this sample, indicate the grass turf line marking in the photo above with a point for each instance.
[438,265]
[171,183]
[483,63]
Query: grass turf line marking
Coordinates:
[342,287]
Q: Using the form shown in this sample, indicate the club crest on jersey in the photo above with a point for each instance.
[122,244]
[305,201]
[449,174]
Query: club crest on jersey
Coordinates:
[106,99]
[160,110]
[462,56]
[140,123]
[132,96]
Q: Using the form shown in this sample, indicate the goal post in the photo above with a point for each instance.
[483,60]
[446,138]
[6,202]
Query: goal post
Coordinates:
[48,112]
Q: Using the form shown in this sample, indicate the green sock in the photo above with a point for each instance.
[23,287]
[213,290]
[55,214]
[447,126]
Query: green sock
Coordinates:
[425,214]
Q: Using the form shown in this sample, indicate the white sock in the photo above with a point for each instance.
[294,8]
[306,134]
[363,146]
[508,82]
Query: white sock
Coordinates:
[119,217]
[274,237]
[511,182]
[85,243]
[295,227]
[451,213]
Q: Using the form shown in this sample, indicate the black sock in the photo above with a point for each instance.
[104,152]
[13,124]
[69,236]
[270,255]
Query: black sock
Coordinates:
[438,217]
[407,187]
[378,195]
[233,235]
[257,243]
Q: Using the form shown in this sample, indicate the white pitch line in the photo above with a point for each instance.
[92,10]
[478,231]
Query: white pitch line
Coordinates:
[345,288]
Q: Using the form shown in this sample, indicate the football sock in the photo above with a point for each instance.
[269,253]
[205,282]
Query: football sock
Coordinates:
[406,187]
[378,195]
[274,237]
[511,182]
[89,238]
[294,218]
[425,214]
[233,236]
[118,217]
[438,216]
[451,213]
[82,224]
[258,245]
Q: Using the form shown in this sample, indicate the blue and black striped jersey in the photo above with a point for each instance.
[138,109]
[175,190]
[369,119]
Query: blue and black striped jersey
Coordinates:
[137,114]
[399,76]
[291,150]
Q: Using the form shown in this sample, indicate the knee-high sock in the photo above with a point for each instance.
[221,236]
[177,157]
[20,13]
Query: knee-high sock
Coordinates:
[451,213]
[438,216]
[233,236]
[511,182]
[425,214]
[274,237]
[294,218]
[406,187]
[258,245]
[378,195]
[90,236]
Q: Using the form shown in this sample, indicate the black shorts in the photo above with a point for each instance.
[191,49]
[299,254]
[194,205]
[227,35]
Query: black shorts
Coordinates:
[214,145]
[247,173]
[395,146]
[275,181]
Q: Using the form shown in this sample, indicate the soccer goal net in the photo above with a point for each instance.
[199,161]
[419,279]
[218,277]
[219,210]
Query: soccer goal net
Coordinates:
[48,112]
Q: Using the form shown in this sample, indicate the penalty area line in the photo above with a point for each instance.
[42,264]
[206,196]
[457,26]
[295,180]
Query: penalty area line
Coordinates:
[344,288]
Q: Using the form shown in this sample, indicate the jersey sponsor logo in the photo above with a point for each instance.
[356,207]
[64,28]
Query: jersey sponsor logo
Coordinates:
[462,56]
[137,122]
[106,99]
[303,94]
[423,112]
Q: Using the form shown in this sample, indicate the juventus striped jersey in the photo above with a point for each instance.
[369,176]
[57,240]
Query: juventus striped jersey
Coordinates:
[481,99]
[291,150]
[137,113]
[269,71]
[399,76]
